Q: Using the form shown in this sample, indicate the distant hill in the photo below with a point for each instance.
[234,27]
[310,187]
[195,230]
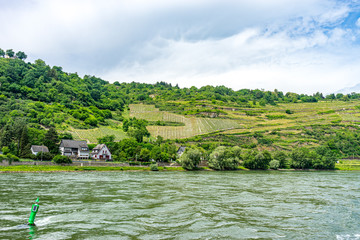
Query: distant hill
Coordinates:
[348,90]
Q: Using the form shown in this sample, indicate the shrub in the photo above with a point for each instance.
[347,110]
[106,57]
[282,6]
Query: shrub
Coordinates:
[274,164]
[131,163]
[5,150]
[288,111]
[154,167]
[60,159]
[2,157]
[12,157]
[272,117]
[45,156]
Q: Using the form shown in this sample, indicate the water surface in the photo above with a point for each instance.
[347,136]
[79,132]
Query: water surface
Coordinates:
[182,205]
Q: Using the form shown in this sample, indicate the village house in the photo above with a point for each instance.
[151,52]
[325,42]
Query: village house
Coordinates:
[101,151]
[74,149]
[180,151]
[35,149]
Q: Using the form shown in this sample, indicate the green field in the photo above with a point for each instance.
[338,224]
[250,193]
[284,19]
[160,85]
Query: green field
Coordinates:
[348,165]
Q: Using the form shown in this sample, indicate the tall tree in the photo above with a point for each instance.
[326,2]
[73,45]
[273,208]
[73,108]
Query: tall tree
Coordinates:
[10,53]
[24,143]
[6,136]
[17,128]
[51,141]
[21,55]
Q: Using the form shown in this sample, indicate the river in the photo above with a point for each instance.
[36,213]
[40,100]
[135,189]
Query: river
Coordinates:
[182,205]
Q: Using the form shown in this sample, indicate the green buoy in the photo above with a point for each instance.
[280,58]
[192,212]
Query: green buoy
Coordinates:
[34,210]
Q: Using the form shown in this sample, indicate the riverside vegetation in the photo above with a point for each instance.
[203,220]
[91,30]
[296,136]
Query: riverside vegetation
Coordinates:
[253,129]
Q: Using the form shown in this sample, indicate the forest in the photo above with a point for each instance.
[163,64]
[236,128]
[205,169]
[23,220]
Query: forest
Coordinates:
[40,105]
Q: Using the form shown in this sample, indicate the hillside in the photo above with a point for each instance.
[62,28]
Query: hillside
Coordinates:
[90,108]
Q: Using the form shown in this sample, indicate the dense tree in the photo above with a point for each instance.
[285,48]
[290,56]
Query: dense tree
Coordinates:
[21,55]
[302,158]
[24,143]
[282,158]
[6,136]
[2,53]
[223,158]
[51,141]
[190,159]
[257,160]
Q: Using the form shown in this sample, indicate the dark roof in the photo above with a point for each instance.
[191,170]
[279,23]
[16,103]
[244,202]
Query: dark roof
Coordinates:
[37,148]
[73,144]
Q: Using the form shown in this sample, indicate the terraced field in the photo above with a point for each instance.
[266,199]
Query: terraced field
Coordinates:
[193,126]
[240,121]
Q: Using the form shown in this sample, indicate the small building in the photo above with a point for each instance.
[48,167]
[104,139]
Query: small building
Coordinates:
[101,151]
[180,151]
[74,149]
[35,149]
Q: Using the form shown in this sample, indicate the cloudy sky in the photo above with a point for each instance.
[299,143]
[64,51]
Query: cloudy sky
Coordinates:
[300,46]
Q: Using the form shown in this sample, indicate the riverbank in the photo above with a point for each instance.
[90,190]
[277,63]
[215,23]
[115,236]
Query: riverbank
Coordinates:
[59,168]
[343,165]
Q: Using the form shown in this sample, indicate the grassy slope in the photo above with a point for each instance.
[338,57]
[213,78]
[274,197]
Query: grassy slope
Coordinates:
[285,132]
[239,123]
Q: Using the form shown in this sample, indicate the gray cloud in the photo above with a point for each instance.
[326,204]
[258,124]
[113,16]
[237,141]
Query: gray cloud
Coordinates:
[187,42]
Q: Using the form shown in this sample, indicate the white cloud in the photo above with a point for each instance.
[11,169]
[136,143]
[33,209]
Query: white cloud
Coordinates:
[255,44]
[358,22]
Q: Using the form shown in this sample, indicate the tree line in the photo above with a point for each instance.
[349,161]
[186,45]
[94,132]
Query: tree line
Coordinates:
[230,158]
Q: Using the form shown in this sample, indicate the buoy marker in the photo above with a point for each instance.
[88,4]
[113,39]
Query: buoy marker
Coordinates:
[34,210]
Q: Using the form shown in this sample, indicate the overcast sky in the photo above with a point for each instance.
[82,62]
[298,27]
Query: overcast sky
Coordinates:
[300,46]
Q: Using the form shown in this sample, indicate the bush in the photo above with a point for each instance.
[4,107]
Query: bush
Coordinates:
[60,159]
[45,156]
[12,157]
[5,150]
[154,167]
[274,164]
[2,157]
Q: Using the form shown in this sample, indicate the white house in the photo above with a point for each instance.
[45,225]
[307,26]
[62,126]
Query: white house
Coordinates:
[74,149]
[101,151]
[35,149]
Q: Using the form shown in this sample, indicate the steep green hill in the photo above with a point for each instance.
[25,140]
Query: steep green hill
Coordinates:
[89,108]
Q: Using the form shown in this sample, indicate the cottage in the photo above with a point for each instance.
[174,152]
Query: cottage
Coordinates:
[101,151]
[180,151]
[35,149]
[74,149]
